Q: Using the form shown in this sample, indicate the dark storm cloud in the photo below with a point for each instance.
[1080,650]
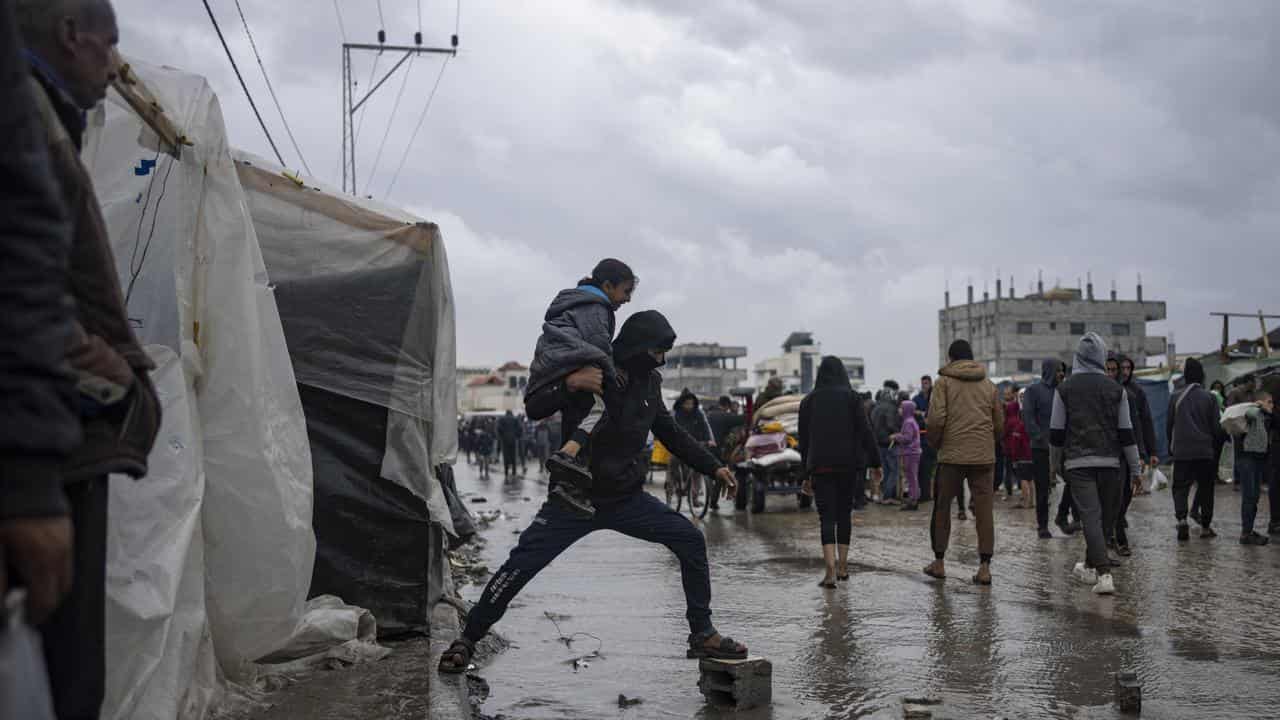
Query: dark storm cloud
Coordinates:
[772,166]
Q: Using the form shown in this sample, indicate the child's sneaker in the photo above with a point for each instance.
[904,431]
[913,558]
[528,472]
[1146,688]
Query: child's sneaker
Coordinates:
[564,463]
[569,495]
[1086,575]
[1105,585]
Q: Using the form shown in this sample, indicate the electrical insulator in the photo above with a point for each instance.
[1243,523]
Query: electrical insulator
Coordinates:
[455,41]
[382,36]
[417,38]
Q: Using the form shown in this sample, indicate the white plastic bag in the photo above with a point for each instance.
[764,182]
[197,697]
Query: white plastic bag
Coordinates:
[1157,480]
[1234,419]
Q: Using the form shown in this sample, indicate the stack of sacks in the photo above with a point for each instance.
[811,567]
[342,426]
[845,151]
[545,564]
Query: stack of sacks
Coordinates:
[784,410]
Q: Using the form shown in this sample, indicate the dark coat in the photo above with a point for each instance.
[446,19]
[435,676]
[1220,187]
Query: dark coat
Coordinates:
[1144,426]
[886,419]
[509,428]
[1037,404]
[833,433]
[693,422]
[39,424]
[120,409]
[619,463]
[577,332]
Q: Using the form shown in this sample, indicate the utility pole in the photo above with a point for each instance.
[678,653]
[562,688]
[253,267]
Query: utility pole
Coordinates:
[1226,329]
[350,105]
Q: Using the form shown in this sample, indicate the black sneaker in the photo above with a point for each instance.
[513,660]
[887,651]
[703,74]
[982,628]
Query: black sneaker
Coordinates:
[1207,533]
[1184,532]
[1045,534]
[1065,527]
[1254,538]
[563,462]
[570,497]
[1194,515]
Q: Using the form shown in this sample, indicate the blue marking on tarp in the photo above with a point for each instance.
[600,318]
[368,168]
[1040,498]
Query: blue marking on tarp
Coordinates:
[144,167]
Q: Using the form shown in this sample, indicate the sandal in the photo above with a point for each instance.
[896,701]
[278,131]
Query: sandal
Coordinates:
[457,658]
[977,580]
[928,570]
[827,584]
[727,649]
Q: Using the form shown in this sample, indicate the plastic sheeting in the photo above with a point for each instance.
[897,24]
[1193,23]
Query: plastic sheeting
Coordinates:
[231,560]
[367,309]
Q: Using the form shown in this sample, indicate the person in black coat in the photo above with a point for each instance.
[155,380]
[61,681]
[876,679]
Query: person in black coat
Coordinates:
[837,445]
[509,431]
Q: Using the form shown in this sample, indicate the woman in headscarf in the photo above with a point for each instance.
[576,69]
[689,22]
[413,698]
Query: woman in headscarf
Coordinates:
[837,444]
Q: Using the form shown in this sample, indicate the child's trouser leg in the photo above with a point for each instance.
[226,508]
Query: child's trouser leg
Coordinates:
[586,428]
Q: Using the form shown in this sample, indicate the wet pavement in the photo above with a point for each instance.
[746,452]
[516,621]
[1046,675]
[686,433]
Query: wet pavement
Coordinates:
[1196,621]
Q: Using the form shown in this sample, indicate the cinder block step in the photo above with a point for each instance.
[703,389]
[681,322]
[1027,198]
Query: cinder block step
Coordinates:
[736,684]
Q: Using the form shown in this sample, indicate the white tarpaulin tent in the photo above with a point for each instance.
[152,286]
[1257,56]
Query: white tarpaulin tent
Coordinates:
[210,555]
[367,309]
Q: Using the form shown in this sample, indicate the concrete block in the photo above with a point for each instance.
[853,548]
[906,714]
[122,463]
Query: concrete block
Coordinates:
[1128,693]
[737,684]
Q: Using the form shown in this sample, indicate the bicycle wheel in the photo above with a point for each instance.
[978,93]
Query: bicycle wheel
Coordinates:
[701,492]
[675,486]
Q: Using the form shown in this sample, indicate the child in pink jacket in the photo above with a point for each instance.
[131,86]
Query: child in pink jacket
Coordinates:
[907,442]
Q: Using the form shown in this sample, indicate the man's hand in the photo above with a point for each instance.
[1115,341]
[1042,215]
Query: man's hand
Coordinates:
[39,549]
[806,488]
[1137,484]
[588,379]
[728,482]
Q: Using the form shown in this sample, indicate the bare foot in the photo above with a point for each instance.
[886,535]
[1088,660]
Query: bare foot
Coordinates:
[936,569]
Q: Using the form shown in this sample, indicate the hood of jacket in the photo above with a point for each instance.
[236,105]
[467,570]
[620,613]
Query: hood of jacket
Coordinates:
[644,331]
[566,300]
[1193,371]
[832,374]
[908,410]
[1091,355]
[687,394]
[1049,371]
[967,370]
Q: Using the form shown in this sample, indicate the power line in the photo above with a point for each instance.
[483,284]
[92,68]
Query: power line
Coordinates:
[271,90]
[243,86]
[391,119]
[421,119]
[341,25]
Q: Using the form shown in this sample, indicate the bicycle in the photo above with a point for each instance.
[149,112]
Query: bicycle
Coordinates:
[684,483]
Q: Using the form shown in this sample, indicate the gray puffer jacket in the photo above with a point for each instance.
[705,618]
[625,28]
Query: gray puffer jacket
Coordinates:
[578,332]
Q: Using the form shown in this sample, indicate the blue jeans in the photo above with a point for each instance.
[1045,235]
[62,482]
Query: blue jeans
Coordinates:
[553,530]
[1250,472]
[889,466]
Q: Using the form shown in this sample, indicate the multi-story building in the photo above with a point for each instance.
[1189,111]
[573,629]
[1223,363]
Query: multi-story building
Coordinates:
[1012,335]
[798,364]
[706,369]
[501,389]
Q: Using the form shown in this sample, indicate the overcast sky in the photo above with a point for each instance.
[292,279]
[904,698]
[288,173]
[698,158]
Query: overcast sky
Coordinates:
[801,164]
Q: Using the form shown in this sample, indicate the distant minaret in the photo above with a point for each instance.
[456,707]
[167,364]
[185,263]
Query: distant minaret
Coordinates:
[1040,281]
[1139,287]
[970,291]
[985,294]
[999,288]
[1011,288]
[1090,286]
[1113,291]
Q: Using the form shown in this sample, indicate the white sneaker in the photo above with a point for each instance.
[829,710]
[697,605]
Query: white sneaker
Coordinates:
[1105,586]
[1086,575]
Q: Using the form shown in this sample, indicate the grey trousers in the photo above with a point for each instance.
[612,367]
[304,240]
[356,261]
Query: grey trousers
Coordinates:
[1089,489]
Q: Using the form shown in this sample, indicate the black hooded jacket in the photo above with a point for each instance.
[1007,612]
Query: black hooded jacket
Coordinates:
[634,407]
[1037,404]
[693,422]
[1144,426]
[834,433]
[1192,424]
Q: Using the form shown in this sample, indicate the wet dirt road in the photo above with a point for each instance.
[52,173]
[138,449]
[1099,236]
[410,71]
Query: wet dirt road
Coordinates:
[1196,621]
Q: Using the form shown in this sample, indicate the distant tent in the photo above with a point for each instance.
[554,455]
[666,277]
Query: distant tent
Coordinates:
[367,308]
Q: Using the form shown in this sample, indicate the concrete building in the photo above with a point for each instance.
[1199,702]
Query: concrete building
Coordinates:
[501,389]
[1013,335]
[707,369]
[798,364]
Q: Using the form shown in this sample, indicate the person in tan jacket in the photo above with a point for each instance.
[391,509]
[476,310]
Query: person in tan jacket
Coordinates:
[965,419]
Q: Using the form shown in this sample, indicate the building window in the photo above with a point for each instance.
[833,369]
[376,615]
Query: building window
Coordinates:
[1026,328]
[1077,328]
[1026,365]
[513,382]
[1053,326]
[1120,329]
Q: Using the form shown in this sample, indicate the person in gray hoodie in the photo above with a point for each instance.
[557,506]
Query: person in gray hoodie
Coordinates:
[1037,411]
[1195,435]
[1089,430]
